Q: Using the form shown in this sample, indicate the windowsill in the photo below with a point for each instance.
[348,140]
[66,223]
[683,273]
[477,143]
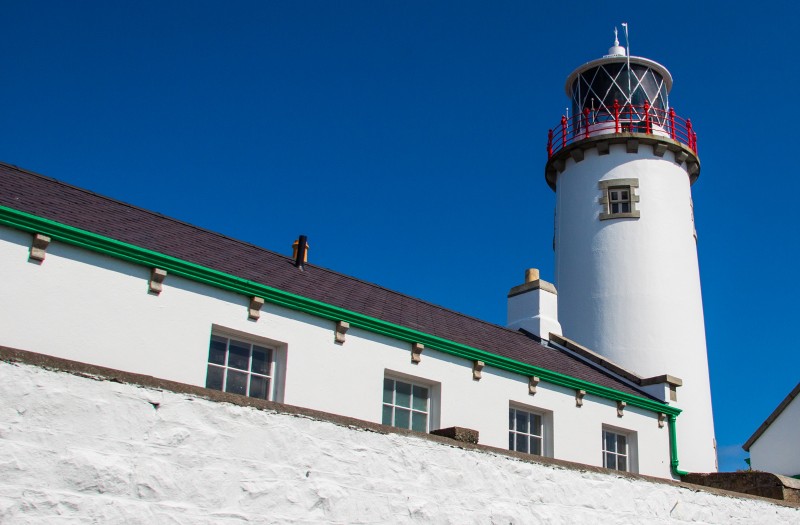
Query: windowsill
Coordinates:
[629,215]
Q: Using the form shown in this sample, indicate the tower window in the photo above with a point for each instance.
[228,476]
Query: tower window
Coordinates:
[619,199]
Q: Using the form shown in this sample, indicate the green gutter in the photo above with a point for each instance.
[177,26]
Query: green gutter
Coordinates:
[135,254]
[673,447]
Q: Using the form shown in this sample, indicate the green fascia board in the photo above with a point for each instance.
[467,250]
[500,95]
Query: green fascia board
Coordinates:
[135,254]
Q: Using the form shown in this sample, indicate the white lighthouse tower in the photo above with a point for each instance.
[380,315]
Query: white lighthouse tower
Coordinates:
[625,245]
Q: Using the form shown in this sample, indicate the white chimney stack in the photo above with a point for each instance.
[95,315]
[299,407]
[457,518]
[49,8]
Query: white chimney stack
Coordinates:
[533,306]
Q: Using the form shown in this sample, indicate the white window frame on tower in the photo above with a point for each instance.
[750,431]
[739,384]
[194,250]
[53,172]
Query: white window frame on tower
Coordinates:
[613,199]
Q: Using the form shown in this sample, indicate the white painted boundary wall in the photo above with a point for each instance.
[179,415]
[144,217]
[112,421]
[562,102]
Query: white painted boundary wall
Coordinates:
[81,450]
[91,308]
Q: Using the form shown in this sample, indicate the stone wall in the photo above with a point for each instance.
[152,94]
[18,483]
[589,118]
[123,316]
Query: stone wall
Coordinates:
[81,444]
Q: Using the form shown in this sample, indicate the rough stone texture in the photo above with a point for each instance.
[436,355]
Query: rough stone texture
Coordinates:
[82,449]
[751,482]
[465,435]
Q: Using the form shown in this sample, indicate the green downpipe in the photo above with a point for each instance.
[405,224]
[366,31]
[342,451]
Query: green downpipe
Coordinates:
[673,446]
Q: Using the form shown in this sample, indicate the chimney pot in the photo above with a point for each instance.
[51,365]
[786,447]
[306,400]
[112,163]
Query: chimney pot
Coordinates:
[300,251]
[531,274]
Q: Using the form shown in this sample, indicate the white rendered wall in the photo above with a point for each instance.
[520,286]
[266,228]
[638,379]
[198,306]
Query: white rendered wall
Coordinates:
[778,448]
[80,450]
[90,308]
[629,289]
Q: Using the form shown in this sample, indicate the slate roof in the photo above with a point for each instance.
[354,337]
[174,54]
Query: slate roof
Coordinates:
[55,200]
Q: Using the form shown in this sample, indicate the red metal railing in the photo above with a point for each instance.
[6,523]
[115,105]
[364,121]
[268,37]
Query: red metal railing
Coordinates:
[630,118]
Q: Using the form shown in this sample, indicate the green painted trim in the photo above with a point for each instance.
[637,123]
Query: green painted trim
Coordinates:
[673,447]
[135,254]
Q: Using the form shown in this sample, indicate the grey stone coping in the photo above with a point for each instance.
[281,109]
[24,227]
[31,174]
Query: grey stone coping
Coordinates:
[538,284]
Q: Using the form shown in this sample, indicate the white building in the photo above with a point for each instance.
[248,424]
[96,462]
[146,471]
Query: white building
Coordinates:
[775,445]
[95,280]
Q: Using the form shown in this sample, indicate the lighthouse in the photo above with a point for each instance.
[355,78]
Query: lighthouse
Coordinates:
[622,165]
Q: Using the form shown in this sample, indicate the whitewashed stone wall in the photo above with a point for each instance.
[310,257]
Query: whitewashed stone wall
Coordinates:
[86,450]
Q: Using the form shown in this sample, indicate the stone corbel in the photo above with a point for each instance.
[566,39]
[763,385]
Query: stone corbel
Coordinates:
[39,247]
[254,310]
[533,382]
[416,352]
[579,395]
[157,276]
[341,330]
[661,419]
[477,366]
[621,407]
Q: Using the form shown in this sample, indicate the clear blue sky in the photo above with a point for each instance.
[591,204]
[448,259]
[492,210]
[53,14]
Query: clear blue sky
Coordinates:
[407,140]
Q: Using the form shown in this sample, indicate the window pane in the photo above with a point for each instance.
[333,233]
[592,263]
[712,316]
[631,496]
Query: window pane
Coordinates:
[622,463]
[419,421]
[214,377]
[258,386]
[236,383]
[621,444]
[536,425]
[623,195]
[420,398]
[626,207]
[388,389]
[510,441]
[402,418]
[611,461]
[387,415]
[610,442]
[261,359]
[216,350]
[511,419]
[522,443]
[536,446]
[239,355]
[614,207]
[522,421]
[402,394]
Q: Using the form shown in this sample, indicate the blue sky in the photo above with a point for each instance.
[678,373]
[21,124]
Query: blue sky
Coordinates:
[407,140]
